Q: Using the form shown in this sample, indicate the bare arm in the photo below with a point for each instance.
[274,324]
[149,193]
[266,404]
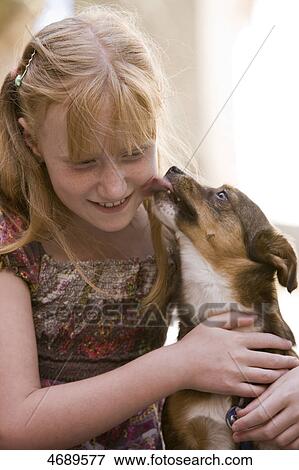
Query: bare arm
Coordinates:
[66,415]
[63,416]
[81,410]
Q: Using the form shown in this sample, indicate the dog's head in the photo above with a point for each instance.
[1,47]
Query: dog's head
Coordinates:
[223,223]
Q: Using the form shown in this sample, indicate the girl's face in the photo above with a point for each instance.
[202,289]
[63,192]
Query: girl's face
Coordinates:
[102,179]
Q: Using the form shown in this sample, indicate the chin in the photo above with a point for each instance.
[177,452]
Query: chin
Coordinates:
[117,224]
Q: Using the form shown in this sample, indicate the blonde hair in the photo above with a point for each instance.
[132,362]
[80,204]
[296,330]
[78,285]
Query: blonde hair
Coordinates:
[80,62]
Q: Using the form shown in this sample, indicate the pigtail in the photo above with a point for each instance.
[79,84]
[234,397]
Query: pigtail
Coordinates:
[17,164]
[15,156]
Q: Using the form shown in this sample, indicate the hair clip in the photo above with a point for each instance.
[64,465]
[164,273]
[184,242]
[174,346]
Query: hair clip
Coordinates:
[19,78]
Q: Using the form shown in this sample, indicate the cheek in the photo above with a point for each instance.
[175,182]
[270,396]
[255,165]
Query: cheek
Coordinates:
[147,167]
[147,170]
[68,183]
[230,239]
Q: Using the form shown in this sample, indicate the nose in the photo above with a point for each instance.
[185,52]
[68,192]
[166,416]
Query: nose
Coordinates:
[174,169]
[112,184]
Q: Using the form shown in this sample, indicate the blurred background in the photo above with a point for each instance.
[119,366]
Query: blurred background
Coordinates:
[235,70]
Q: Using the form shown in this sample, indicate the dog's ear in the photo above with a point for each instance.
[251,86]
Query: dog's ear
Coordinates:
[270,247]
[263,243]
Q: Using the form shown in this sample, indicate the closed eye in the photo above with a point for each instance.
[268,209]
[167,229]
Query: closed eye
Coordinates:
[127,155]
[86,162]
[134,154]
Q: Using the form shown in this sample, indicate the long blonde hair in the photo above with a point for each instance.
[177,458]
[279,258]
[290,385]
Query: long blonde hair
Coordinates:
[79,61]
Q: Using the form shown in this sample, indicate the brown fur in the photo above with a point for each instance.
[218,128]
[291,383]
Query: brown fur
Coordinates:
[240,244]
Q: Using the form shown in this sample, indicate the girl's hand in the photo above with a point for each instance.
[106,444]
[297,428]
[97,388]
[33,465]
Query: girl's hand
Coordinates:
[219,361]
[274,415]
[230,319]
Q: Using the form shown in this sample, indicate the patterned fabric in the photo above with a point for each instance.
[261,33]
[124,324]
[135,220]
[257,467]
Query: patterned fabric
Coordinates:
[81,333]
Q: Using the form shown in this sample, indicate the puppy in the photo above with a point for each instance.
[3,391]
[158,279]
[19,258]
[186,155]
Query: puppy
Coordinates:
[229,255]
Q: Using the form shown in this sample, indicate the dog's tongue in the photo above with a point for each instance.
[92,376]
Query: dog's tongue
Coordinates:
[155,184]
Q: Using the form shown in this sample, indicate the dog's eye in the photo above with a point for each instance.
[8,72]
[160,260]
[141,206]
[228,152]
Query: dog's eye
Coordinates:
[222,195]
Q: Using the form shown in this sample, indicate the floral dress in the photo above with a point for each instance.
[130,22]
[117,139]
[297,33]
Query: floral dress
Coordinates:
[81,333]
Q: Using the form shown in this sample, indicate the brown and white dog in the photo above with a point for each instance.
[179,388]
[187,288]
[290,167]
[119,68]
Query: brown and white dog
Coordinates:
[229,255]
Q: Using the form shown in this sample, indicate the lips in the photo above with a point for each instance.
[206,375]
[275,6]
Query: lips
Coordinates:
[111,210]
[123,200]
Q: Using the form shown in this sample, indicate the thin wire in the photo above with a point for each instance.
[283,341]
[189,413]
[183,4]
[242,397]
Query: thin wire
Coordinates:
[229,97]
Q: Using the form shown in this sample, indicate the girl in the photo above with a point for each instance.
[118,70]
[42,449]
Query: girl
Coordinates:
[84,262]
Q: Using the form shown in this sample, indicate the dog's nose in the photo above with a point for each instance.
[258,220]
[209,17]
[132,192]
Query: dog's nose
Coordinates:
[174,169]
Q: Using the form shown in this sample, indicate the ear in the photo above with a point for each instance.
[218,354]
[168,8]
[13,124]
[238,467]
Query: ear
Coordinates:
[272,248]
[27,137]
[263,243]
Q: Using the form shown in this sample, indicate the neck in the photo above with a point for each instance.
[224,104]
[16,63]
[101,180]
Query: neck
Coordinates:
[243,285]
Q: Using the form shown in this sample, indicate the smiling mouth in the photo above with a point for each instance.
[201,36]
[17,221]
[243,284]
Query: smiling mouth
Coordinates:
[108,209]
[112,204]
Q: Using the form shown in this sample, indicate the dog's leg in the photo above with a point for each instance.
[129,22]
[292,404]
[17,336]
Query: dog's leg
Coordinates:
[194,420]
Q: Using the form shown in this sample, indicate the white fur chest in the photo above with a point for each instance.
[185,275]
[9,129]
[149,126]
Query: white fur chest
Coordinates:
[203,287]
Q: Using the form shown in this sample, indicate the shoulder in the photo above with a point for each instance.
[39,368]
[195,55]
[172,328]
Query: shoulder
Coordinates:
[22,261]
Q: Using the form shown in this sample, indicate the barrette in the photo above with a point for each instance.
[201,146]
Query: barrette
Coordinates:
[19,78]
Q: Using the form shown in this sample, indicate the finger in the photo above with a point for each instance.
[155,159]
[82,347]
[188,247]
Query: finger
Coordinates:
[271,360]
[268,431]
[288,437]
[250,390]
[245,321]
[252,405]
[255,403]
[221,320]
[263,376]
[261,414]
[229,320]
[258,340]
[293,446]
